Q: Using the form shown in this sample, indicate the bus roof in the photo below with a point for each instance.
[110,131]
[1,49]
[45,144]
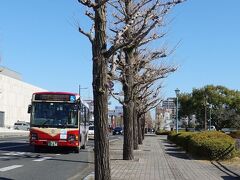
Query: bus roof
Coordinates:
[64,93]
[49,92]
[55,96]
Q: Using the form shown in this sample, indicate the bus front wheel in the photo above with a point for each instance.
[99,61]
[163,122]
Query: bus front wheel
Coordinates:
[76,149]
[37,149]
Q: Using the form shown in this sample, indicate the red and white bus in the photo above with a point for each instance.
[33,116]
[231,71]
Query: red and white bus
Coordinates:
[58,119]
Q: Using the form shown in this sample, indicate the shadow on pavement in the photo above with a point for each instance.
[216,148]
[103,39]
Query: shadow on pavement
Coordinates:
[229,178]
[231,174]
[179,155]
[66,160]
[2,178]
[174,150]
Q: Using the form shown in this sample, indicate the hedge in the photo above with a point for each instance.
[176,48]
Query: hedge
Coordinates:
[212,145]
[207,144]
[162,132]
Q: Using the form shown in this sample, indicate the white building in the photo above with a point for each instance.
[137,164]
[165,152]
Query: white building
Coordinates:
[163,118]
[15,96]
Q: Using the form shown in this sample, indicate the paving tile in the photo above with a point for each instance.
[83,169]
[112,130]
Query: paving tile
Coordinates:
[160,159]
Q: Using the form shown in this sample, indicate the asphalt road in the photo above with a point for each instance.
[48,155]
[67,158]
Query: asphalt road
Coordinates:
[18,162]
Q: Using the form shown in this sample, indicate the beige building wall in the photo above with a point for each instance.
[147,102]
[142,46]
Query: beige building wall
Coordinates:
[15,96]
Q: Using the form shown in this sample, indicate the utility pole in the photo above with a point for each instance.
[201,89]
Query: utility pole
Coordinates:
[79,88]
[177,91]
[205,112]
[210,116]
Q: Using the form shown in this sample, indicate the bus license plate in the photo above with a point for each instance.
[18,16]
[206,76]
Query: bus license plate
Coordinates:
[52,143]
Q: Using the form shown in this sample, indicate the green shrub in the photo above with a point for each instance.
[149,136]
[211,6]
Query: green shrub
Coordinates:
[162,132]
[212,145]
[172,136]
[183,139]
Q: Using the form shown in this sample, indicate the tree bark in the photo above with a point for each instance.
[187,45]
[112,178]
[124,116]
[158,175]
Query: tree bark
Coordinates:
[135,129]
[143,126]
[140,138]
[100,94]
[128,133]
[128,108]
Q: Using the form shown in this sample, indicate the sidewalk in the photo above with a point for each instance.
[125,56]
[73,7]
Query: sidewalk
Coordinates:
[159,159]
[4,132]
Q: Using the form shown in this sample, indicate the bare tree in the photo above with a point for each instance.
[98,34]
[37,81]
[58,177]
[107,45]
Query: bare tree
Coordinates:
[141,19]
[146,88]
[100,54]
[137,21]
[98,40]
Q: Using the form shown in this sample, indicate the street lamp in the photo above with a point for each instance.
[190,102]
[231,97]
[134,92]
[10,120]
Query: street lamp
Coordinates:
[210,116]
[177,91]
[80,90]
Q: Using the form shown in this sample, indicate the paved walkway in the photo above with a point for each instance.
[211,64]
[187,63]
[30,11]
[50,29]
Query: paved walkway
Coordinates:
[4,132]
[159,159]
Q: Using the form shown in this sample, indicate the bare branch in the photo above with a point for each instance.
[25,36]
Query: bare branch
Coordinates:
[90,15]
[116,97]
[88,3]
[117,8]
[88,35]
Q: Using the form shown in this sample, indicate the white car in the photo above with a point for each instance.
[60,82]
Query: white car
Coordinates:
[212,128]
[91,132]
[22,125]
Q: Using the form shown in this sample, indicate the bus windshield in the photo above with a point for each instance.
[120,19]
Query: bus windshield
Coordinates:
[54,114]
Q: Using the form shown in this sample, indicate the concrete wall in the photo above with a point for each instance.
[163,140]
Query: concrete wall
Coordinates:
[15,96]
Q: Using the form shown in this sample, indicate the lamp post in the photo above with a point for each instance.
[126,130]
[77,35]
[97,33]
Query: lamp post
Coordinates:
[177,91]
[210,116]
[80,90]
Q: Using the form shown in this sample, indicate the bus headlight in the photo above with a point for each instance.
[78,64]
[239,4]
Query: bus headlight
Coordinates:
[34,136]
[71,137]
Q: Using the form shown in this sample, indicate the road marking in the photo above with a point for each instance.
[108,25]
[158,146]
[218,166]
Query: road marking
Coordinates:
[42,159]
[18,141]
[10,168]
[4,157]
[14,146]
[14,153]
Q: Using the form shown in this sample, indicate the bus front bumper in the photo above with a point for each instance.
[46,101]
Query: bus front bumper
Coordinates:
[54,143]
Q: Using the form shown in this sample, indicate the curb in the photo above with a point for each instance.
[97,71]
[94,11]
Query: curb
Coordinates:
[91,176]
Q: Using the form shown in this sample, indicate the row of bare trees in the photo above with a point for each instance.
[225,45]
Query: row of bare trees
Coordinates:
[121,53]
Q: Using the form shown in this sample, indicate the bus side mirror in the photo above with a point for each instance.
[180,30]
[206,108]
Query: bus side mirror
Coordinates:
[29,108]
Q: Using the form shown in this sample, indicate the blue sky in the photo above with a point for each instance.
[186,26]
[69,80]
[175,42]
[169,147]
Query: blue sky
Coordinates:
[39,40]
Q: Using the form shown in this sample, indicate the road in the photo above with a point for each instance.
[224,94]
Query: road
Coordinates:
[18,161]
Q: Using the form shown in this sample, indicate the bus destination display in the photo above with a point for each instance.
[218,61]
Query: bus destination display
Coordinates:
[55,97]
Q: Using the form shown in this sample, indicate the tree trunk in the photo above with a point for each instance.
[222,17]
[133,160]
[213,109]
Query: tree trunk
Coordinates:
[128,132]
[128,107]
[100,94]
[140,138]
[135,129]
[143,126]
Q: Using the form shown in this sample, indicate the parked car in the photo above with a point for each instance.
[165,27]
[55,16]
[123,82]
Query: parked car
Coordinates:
[212,128]
[117,130]
[228,130]
[91,132]
[22,125]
